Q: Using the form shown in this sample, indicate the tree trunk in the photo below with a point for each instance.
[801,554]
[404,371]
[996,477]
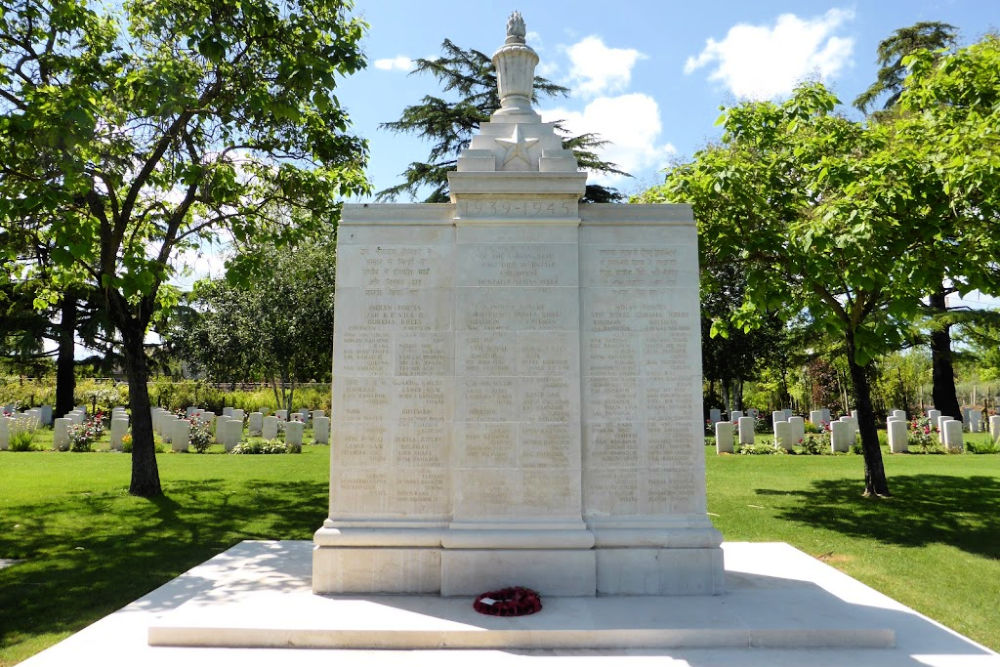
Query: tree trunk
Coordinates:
[876,483]
[65,363]
[145,474]
[944,395]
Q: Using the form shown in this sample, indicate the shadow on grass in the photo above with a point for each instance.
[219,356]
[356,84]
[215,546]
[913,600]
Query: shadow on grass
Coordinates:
[963,512]
[86,555]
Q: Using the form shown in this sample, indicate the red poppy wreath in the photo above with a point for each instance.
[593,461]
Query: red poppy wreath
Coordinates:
[513,601]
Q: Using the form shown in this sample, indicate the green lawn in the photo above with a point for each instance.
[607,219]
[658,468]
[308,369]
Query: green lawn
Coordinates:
[85,547]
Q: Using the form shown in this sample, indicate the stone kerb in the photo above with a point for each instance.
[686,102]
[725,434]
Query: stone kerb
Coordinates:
[897,436]
[723,437]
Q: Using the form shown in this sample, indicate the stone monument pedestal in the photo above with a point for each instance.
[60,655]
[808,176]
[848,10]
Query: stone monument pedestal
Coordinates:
[517,383]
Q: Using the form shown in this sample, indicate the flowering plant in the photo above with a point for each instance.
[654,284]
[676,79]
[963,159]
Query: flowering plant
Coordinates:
[82,436]
[201,434]
[513,601]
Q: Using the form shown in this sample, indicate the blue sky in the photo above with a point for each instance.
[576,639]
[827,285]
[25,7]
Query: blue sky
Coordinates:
[647,75]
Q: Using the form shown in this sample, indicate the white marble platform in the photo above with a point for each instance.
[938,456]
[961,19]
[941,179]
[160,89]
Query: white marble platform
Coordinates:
[777,597]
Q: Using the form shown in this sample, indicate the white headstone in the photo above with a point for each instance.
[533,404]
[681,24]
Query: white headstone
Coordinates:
[897,436]
[5,429]
[180,435]
[299,417]
[316,414]
[900,414]
[746,429]
[232,432]
[715,415]
[119,427]
[778,416]
[816,417]
[975,424]
[255,425]
[753,412]
[723,437]
[81,409]
[227,411]
[321,430]
[841,436]
[788,413]
[293,432]
[47,415]
[933,415]
[207,417]
[783,435]
[940,426]
[798,426]
[965,415]
[827,417]
[269,430]
[190,410]
[60,433]
[518,382]
[281,414]
[238,413]
[736,415]
[994,423]
[952,430]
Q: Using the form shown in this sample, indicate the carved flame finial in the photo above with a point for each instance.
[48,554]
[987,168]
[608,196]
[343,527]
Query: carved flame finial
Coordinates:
[515,29]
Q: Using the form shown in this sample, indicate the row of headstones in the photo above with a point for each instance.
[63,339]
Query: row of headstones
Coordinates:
[789,430]
[75,417]
[715,415]
[949,430]
[229,426]
[12,422]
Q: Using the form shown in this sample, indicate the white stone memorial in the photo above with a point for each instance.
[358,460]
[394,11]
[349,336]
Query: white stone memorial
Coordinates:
[841,436]
[896,431]
[816,417]
[995,428]
[951,430]
[60,433]
[723,437]
[798,429]
[736,415]
[47,415]
[255,425]
[975,422]
[715,415]
[293,433]
[747,432]
[933,415]
[269,430]
[230,432]
[778,416]
[180,435]
[517,382]
[783,435]
[119,427]
[321,430]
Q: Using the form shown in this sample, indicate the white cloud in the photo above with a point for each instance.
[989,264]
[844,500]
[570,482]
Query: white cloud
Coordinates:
[631,125]
[399,63]
[596,69]
[762,62]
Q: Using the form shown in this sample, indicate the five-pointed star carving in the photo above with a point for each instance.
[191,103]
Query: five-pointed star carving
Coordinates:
[517,146]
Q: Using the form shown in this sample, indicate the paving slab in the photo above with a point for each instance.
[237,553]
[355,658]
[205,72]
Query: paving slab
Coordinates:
[781,607]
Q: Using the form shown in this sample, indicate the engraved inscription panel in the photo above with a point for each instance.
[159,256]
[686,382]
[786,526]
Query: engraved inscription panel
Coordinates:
[521,207]
[499,265]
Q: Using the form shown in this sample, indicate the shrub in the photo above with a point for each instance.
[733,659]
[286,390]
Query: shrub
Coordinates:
[201,436]
[982,447]
[813,444]
[813,428]
[20,441]
[269,447]
[761,450]
[710,441]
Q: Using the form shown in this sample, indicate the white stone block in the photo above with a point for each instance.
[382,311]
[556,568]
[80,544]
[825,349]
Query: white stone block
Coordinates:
[321,430]
[723,437]
[746,428]
[933,415]
[60,433]
[119,427]
[564,572]
[180,435]
[816,417]
[238,413]
[293,432]
[255,425]
[798,426]
[841,436]
[232,432]
[269,429]
[47,415]
[227,411]
[940,427]
[995,427]
[659,571]
[778,416]
[281,414]
[783,435]
[952,430]
[5,430]
[901,414]
[975,423]
[897,436]
[736,415]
